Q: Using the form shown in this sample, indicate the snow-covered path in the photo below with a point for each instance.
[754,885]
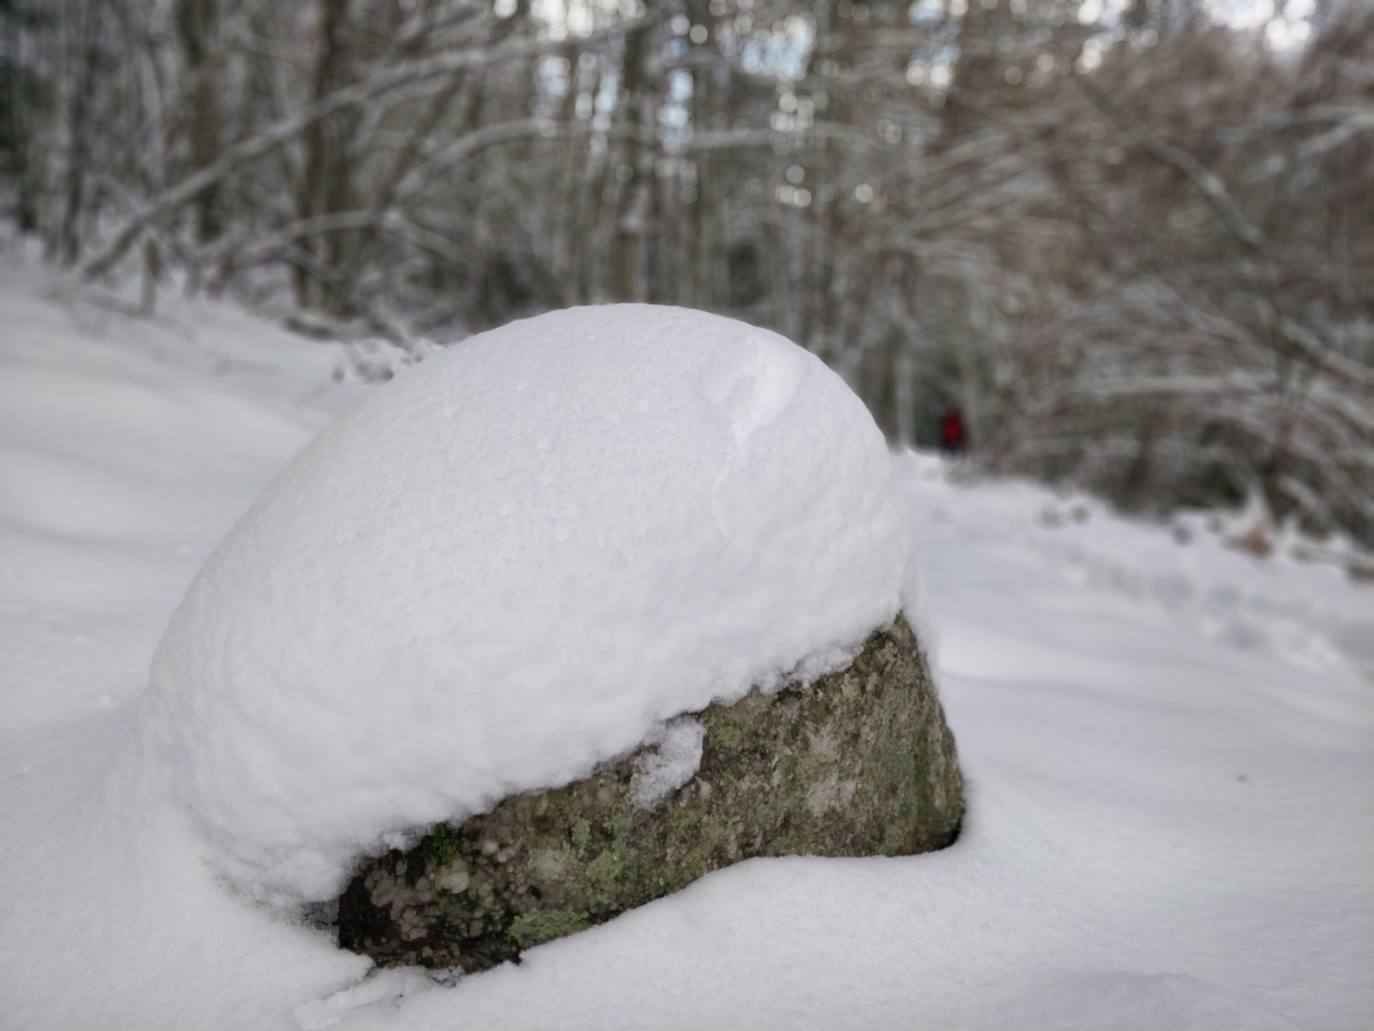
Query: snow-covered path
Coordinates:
[1190,794]
[1169,747]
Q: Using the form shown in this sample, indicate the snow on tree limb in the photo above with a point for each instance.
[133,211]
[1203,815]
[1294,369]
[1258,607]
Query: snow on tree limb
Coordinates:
[289,127]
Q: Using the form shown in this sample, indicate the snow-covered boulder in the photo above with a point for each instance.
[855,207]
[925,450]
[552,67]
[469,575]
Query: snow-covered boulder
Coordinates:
[515,562]
[858,763]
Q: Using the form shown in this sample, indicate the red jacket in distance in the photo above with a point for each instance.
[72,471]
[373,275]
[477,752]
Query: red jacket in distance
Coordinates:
[952,436]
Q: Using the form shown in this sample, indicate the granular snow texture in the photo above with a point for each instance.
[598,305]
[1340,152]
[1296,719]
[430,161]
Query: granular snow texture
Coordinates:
[1169,748]
[513,562]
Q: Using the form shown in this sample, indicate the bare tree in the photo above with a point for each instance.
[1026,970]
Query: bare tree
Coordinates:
[1130,244]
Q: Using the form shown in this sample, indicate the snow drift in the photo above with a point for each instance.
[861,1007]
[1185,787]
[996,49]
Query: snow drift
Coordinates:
[513,562]
[1170,747]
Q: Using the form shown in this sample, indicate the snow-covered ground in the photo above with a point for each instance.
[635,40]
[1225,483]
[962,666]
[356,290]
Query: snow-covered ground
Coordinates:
[1169,747]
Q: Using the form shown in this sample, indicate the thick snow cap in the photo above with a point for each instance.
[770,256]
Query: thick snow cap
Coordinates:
[514,562]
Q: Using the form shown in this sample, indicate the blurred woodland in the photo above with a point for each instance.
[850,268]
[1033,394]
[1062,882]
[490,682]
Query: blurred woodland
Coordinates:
[1131,241]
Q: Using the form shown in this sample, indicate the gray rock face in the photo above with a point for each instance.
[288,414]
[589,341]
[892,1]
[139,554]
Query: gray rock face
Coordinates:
[858,763]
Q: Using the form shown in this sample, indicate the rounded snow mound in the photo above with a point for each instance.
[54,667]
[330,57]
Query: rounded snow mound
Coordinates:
[513,562]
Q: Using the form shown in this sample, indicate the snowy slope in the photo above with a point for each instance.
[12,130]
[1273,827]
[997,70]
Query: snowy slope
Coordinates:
[1170,751]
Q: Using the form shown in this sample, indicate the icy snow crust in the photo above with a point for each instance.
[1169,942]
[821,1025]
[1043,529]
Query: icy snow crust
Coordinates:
[513,562]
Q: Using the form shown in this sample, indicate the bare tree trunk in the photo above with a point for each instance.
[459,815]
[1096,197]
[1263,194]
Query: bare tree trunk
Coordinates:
[195,25]
[698,206]
[633,175]
[22,125]
[316,190]
[152,270]
[83,90]
[571,161]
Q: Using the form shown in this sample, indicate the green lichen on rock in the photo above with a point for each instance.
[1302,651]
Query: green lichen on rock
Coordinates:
[545,925]
[859,762]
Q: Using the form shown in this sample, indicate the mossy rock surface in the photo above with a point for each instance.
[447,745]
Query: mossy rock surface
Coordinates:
[860,762]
